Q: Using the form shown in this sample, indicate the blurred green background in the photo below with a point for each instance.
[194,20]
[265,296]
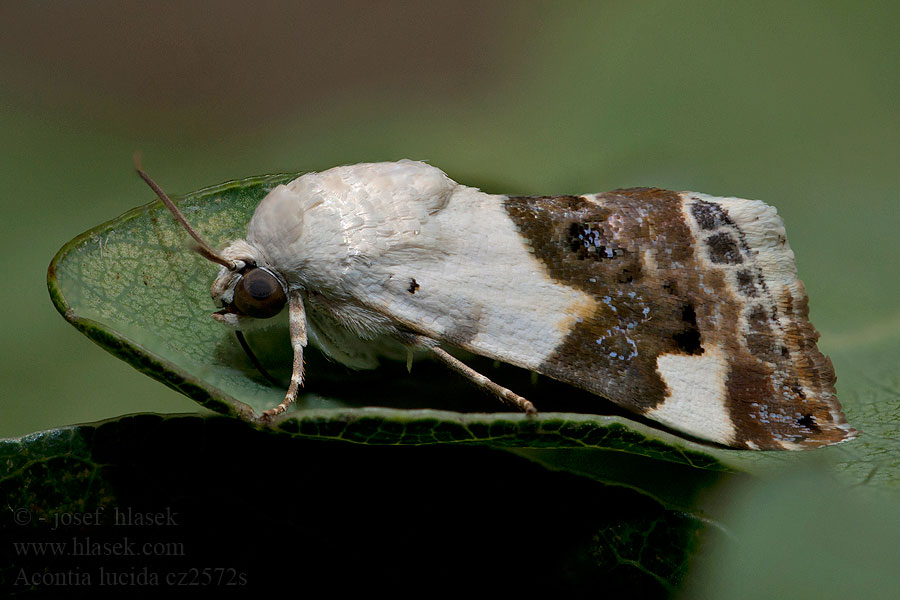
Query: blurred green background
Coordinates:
[795,103]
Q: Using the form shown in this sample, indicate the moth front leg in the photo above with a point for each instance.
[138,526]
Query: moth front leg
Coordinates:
[505,395]
[297,320]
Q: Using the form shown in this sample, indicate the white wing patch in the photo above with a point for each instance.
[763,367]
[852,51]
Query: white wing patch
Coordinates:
[696,403]
[478,280]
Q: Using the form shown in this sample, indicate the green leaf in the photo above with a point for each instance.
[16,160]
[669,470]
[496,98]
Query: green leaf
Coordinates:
[132,286]
[333,514]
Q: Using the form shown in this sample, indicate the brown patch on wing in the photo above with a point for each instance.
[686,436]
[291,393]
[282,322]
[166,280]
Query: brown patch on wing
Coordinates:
[599,246]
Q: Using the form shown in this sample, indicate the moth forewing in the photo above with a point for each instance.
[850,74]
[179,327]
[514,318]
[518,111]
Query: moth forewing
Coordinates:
[681,307]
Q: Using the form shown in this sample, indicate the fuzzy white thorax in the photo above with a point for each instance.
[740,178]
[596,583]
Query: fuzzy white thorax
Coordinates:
[354,237]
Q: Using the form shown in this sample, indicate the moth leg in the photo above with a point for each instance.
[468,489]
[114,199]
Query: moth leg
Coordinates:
[297,320]
[504,394]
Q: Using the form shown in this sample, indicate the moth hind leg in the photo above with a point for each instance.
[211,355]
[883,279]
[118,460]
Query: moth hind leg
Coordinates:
[505,395]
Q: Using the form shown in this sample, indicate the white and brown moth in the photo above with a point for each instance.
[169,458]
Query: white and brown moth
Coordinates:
[681,307]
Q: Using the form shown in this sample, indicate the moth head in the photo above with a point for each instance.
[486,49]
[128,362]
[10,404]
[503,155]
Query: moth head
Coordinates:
[249,292]
[245,289]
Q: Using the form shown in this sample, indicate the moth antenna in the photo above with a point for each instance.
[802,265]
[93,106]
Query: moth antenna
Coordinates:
[202,248]
[213,257]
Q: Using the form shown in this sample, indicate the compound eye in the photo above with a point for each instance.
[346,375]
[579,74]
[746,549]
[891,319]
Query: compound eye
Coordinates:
[258,294]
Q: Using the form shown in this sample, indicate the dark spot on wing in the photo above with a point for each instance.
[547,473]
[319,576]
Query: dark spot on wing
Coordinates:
[709,215]
[809,422]
[759,337]
[590,241]
[723,249]
[629,274]
[689,340]
[413,286]
[746,283]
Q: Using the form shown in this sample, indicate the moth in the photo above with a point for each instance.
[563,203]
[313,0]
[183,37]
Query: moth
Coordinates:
[681,307]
